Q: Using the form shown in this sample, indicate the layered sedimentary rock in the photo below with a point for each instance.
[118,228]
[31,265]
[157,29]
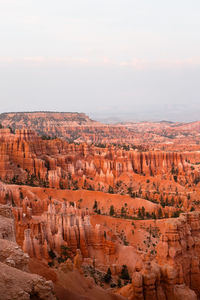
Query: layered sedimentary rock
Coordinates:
[174,272]
[78,127]
[152,282]
[59,225]
[15,281]
[26,158]
[179,248]
[49,222]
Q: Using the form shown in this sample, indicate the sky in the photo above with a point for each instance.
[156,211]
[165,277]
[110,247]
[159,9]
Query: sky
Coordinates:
[112,59]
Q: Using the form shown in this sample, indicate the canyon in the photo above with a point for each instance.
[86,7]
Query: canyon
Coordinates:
[96,211]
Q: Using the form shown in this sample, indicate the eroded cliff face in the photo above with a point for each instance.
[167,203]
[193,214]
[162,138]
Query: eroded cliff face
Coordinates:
[174,271]
[61,243]
[179,249]
[71,225]
[26,158]
[46,226]
[168,178]
[15,280]
[60,226]
[49,226]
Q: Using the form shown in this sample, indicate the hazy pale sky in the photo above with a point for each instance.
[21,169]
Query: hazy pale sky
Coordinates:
[139,59]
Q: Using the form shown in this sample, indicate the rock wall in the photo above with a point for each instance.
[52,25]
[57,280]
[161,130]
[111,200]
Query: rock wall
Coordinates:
[26,158]
[15,281]
[61,225]
[152,282]
[179,248]
[174,272]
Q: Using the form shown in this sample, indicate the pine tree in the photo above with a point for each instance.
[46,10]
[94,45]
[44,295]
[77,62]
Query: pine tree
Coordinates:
[124,273]
[112,210]
[139,213]
[108,276]
[143,212]
[123,212]
[160,213]
[162,203]
[95,206]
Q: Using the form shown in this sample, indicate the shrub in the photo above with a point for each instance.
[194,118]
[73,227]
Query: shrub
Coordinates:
[175,178]
[60,260]
[52,254]
[50,264]
[110,190]
[176,214]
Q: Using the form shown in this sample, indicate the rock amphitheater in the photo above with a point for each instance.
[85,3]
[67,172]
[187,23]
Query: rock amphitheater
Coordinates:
[95,217]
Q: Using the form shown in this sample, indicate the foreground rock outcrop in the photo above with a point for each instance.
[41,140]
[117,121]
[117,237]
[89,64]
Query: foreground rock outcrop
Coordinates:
[15,284]
[15,280]
[61,227]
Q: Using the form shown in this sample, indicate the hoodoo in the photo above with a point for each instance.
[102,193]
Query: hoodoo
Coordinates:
[110,221]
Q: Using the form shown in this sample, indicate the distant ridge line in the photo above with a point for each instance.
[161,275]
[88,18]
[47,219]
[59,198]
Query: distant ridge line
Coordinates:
[41,111]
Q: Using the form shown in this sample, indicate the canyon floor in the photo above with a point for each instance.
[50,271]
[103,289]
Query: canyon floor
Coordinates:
[97,211]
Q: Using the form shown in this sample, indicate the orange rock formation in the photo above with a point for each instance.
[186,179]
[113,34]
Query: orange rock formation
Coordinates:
[15,280]
[83,209]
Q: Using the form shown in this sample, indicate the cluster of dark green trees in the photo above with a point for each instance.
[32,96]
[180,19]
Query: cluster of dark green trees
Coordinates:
[65,254]
[124,275]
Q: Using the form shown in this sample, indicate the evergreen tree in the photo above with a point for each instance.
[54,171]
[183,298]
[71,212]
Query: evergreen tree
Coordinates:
[162,203]
[95,206]
[160,213]
[112,210]
[143,212]
[108,276]
[123,211]
[153,215]
[130,190]
[119,283]
[110,190]
[139,213]
[124,273]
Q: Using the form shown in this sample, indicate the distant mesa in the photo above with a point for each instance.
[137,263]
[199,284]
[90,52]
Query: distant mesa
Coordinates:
[79,128]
